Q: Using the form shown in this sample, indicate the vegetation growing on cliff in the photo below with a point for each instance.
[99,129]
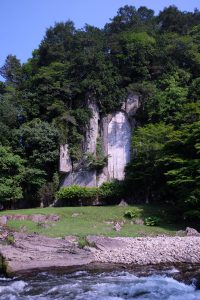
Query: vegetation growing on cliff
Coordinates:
[44,103]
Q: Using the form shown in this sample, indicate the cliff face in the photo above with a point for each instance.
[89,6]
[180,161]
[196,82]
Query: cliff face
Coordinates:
[119,145]
[114,130]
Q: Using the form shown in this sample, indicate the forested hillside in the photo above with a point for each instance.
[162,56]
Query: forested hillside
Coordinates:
[43,104]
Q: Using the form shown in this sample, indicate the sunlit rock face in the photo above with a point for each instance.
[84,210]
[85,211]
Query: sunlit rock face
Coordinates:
[119,145]
[65,161]
[115,132]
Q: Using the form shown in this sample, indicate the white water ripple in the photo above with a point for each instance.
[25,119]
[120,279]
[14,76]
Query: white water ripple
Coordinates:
[97,286]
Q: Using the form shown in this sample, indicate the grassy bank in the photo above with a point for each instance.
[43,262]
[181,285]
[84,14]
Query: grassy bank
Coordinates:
[82,221]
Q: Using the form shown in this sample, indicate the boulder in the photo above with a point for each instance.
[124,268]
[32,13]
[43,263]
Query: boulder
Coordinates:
[138,221]
[191,232]
[53,218]
[123,203]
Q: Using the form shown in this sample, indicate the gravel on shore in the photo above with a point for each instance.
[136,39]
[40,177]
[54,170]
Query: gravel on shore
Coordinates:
[33,251]
[148,250]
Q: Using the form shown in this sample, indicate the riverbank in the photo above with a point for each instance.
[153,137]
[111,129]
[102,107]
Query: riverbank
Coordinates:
[35,252]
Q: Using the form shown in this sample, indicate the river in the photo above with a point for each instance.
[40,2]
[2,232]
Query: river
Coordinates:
[166,283]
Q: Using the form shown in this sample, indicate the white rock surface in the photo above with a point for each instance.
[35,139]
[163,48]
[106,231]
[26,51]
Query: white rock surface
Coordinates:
[65,161]
[115,132]
[119,145]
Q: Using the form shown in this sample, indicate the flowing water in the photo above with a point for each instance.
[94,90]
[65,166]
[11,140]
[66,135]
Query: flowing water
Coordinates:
[91,285]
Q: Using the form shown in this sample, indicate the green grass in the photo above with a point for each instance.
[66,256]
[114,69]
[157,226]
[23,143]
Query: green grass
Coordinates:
[93,221]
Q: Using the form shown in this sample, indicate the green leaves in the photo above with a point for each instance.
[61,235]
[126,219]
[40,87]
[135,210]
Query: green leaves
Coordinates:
[76,195]
[38,141]
[12,172]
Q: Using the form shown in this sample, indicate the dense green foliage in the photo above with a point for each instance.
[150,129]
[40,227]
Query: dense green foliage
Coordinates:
[12,175]
[107,193]
[44,103]
[75,195]
[132,213]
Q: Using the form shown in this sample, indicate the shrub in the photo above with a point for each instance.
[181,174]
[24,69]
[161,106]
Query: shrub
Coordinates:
[76,195]
[10,239]
[152,221]
[132,213]
[113,190]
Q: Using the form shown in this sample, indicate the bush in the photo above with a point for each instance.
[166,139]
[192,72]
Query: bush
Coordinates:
[152,221]
[112,191]
[77,195]
[132,213]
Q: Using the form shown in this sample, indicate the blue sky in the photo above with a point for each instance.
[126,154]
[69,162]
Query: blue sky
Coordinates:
[23,22]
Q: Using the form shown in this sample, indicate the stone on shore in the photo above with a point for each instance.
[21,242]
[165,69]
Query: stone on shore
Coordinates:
[35,252]
[147,250]
[25,252]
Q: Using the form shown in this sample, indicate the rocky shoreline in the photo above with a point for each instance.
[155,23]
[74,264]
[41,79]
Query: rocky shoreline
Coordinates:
[25,252]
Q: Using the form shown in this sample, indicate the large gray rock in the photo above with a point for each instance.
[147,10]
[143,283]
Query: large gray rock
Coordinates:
[36,252]
[191,232]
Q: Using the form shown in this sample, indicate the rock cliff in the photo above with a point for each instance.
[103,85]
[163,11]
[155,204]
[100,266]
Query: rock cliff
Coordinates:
[114,131]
